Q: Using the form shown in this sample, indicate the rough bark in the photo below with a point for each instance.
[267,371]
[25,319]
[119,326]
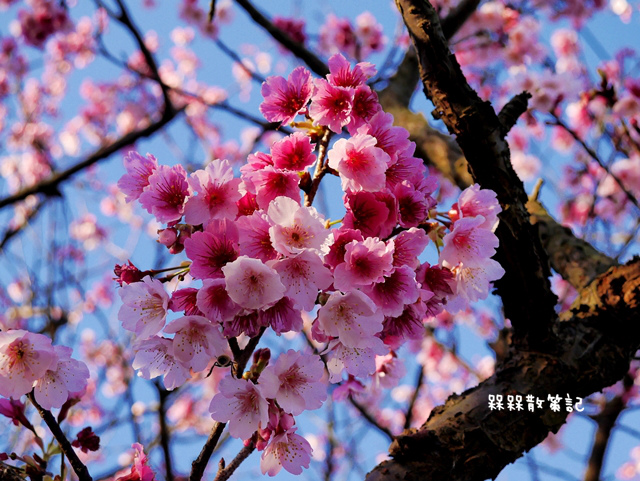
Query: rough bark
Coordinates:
[524,289]
[585,349]
[465,440]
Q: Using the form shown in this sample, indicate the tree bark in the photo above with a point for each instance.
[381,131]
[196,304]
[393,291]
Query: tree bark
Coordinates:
[577,353]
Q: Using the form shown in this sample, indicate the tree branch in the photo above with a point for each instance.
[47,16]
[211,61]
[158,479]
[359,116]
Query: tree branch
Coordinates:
[78,466]
[465,440]
[606,421]
[525,289]
[573,258]
[50,186]
[296,48]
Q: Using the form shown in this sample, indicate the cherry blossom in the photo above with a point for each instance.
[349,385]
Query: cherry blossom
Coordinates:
[155,357]
[251,284]
[294,152]
[166,193]
[218,192]
[24,358]
[468,242]
[357,361]
[365,262]
[475,201]
[144,307]
[294,382]
[139,168]
[286,450]
[360,163]
[295,228]
[240,403]
[302,276]
[140,471]
[212,249]
[196,341]
[397,289]
[284,99]
[353,318]
[214,301]
[254,239]
[64,377]
[331,105]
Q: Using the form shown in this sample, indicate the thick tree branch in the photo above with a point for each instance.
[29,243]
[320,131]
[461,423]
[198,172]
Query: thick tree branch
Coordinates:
[435,148]
[573,258]
[525,288]
[465,440]
[296,48]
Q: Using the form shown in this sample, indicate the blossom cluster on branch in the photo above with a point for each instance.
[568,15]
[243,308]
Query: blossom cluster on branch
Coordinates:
[264,256]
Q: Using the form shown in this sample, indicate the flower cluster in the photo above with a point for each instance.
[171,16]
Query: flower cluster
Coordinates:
[263,256]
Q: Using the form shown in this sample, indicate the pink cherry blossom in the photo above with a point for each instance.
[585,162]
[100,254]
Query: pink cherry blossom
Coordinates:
[412,205]
[155,357]
[365,262]
[286,450]
[144,307]
[64,377]
[342,75]
[255,240]
[24,357]
[331,105]
[369,213]
[341,237]
[218,192]
[408,325]
[475,201]
[365,106]
[392,140]
[271,183]
[406,167]
[295,228]
[407,246]
[14,410]
[468,243]
[284,99]
[184,300]
[389,371]
[303,276]
[212,249]
[214,301]
[140,471]
[357,361]
[252,284]
[360,163]
[473,283]
[136,179]
[247,323]
[353,318]
[295,382]
[240,403]
[283,316]
[397,289]
[196,341]
[166,193]
[294,152]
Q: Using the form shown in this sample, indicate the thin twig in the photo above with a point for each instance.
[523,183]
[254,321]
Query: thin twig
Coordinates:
[78,466]
[243,454]
[198,466]
[165,435]
[367,415]
[296,48]
[558,121]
